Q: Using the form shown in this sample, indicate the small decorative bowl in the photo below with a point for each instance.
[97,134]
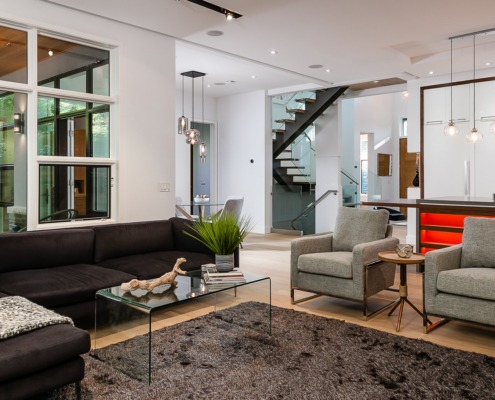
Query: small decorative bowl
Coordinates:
[404,250]
[201,200]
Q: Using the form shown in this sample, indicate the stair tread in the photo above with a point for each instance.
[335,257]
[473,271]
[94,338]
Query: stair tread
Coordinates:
[278,130]
[306,100]
[287,159]
[295,110]
[285,121]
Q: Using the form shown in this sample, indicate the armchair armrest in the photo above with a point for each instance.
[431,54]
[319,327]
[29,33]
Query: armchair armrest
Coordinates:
[435,262]
[367,253]
[308,244]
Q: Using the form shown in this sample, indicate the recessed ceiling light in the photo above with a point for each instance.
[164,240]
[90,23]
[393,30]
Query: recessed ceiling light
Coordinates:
[431,72]
[273,51]
[253,76]
[315,66]
[376,81]
[50,52]
[328,70]
[208,86]
[214,33]
[488,63]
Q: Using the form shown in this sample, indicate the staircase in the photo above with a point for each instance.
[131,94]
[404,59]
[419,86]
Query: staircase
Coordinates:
[289,167]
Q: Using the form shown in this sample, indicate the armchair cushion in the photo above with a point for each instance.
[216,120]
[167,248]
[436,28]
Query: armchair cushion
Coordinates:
[338,264]
[472,282]
[354,226]
[478,248]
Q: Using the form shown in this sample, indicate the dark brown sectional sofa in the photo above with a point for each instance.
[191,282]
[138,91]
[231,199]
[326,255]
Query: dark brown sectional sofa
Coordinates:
[62,269]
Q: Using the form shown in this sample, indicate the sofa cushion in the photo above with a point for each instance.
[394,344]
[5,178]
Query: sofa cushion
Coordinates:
[41,349]
[153,265]
[68,284]
[121,240]
[354,226]
[470,282]
[184,242]
[337,263]
[478,246]
[43,249]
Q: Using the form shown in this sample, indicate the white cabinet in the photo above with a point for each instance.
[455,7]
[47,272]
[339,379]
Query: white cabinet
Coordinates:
[485,101]
[434,106]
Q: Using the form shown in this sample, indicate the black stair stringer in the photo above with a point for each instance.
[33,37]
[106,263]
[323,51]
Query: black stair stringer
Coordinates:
[324,99]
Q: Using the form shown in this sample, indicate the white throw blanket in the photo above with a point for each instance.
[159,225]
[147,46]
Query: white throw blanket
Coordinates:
[19,315]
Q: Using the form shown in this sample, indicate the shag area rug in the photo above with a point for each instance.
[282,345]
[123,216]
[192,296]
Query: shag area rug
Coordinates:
[306,357]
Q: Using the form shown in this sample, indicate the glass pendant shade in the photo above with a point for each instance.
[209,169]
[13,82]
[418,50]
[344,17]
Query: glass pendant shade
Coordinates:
[202,152]
[192,136]
[183,125]
[451,129]
[474,136]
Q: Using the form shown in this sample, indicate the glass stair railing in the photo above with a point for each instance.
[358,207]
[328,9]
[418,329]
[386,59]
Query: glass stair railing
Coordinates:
[285,107]
[304,222]
[350,189]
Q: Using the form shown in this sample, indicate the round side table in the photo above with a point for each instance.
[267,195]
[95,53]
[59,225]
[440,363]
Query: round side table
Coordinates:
[392,257]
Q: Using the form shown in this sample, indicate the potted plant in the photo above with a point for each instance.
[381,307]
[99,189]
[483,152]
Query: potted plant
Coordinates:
[222,234]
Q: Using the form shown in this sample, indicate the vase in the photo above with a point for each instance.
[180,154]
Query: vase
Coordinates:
[224,263]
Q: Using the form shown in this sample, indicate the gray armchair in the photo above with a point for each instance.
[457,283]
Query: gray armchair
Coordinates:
[459,281]
[345,263]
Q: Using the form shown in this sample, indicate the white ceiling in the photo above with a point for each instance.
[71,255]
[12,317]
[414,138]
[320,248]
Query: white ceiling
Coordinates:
[358,40]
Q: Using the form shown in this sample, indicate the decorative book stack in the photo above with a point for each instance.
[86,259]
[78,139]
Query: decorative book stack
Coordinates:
[212,277]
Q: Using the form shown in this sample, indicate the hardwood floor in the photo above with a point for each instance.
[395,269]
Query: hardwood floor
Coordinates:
[270,254]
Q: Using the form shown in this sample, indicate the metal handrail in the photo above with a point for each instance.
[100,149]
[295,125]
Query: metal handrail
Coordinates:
[312,205]
[353,180]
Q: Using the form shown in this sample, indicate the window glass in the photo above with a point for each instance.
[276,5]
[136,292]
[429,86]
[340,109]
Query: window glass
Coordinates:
[70,65]
[101,80]
[100,123]
[46,107]
[76,82]
[73,192]
[13,52]
[78,130]
[46,138]
[13,173]
[71,106]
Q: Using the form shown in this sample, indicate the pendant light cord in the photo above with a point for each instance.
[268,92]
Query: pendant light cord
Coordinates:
[192,119]
[474,80]
[182,94]
[451,105]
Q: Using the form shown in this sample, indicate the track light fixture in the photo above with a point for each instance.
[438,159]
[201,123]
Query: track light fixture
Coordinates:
[229,14]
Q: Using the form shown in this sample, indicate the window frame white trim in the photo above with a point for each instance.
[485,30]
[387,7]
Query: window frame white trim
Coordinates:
[32,90]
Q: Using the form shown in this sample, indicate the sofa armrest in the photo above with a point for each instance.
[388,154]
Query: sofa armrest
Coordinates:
[305,245]
[437,261]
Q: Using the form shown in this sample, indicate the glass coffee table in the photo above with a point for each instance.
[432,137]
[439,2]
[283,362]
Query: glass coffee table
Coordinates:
[121,315]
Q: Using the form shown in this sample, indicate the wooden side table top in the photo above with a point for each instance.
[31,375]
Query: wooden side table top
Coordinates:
[391,256]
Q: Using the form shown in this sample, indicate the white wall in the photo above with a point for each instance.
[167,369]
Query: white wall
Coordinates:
[145,123]
[328,163]
[244,134]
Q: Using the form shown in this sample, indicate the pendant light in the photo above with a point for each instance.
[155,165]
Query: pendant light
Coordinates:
[451,129]
[192,134]
[474,135]
[183,121]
